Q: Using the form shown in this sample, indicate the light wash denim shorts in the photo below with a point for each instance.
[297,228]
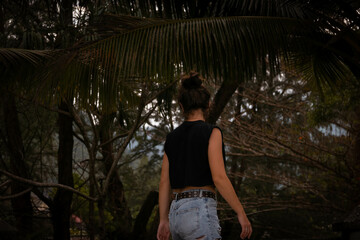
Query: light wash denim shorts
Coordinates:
[194,218]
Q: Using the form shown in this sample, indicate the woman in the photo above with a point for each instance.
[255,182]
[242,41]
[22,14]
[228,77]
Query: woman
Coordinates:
[193,166]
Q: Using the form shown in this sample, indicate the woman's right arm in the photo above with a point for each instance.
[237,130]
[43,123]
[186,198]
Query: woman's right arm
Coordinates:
[222,182]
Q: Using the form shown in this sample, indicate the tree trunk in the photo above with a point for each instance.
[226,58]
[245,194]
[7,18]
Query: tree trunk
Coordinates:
[91,224]
[154,226]
[21,205]
[116,193]
[356,151]
[222,97]
[102,227]
[139,231]
[61,210]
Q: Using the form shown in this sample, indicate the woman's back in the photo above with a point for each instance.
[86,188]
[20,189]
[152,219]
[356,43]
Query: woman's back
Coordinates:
[187,151]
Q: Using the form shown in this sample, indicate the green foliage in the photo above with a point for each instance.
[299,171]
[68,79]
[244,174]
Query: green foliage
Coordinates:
[335,104]
[141,174]
[80,207]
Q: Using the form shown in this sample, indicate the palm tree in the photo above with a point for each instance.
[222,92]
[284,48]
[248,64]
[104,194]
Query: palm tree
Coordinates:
[226,41]
[220,42]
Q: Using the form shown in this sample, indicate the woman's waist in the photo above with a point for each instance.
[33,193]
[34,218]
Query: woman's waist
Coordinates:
[192,192]
[210,188]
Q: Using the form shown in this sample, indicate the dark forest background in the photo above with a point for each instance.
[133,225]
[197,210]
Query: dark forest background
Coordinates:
[88,92]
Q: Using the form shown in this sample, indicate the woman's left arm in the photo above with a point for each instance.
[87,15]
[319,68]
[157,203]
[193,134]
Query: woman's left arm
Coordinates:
[164,201]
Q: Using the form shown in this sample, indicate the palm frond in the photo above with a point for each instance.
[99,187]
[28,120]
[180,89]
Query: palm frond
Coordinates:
[186,9]
[15,57]
[220,48]
[16,63]
[321,69]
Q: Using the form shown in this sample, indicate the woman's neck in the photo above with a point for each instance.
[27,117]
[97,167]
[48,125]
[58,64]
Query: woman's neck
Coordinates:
[195,115]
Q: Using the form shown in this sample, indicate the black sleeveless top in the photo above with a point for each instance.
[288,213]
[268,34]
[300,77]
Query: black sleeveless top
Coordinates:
[187,150]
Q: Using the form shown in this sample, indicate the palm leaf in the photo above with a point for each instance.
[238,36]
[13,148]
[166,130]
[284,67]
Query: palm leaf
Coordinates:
[220,48]
[321,69]
[16,64]
[13,57]
[185,9]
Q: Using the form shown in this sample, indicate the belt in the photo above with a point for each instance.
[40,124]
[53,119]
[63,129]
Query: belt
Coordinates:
[193,194]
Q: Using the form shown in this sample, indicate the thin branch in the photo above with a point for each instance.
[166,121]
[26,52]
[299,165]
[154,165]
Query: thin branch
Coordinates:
[87,142]
[15,195]
[5,183]
[124,145]
[78,138]
[79,123]
[145,118]
[113,139]
[38,184]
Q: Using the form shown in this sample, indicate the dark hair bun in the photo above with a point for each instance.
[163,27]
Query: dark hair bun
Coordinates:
[192,94]
[192,81]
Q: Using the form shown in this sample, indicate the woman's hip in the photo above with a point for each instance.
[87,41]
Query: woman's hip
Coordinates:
[192,218]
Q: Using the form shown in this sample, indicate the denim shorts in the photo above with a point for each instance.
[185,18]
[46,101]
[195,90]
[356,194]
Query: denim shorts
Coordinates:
[193,218]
